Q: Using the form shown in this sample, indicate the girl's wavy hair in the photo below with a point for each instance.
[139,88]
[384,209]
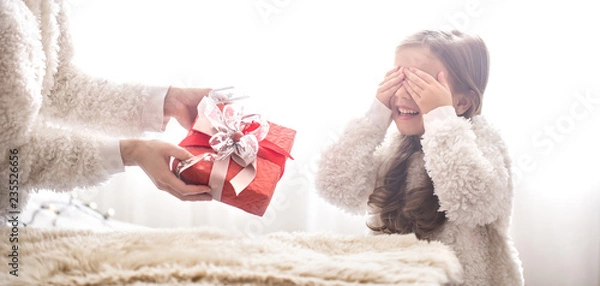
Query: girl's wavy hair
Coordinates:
[417,210]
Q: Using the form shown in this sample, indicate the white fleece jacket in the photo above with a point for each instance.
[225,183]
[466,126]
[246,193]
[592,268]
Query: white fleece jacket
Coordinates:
[469,165]
[62,123]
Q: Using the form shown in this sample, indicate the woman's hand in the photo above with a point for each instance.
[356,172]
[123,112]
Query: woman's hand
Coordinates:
[154,157]
[427,92]
[182,104]
[390,84]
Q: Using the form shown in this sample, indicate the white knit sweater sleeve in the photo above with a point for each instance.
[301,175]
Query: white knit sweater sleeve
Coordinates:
[55,159]
[62,159]
[468,170]
[20,75]
[48,156]
[115,108]
[348,169]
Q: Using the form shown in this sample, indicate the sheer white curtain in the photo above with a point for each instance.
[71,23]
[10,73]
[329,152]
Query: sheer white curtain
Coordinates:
[313,65]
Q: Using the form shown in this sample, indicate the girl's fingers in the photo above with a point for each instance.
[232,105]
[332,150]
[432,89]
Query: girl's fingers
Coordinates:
[415,88]
[393,78]
[443,80]
[394,69]
[410,88]
[387,84]
[393,74]
[423,76]
[390,88]
[416,81]
[391,83]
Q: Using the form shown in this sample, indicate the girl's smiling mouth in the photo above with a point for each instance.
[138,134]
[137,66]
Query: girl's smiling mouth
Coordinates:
[406,112]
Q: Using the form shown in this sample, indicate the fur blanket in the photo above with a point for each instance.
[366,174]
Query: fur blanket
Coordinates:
[213,257]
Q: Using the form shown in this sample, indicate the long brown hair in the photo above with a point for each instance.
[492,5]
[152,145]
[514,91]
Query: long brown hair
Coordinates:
[417,210]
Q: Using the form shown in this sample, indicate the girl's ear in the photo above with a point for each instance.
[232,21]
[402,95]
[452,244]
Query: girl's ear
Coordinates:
[463,101]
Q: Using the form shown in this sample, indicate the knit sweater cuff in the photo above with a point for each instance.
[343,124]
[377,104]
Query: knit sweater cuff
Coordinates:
[111,154]
[379,115]
[440,113]
[153,118]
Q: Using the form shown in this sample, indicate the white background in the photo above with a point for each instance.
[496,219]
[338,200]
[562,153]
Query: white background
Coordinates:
[312,65]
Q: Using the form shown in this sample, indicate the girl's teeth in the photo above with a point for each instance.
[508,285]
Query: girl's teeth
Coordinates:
[406,111]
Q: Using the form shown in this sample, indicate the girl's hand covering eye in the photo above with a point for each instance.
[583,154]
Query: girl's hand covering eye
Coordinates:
[391,83]
[426,91]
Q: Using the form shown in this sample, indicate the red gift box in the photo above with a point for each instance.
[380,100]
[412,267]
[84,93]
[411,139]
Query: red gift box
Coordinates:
[273,151]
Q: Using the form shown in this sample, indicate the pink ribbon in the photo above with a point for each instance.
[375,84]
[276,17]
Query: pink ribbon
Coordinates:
[234,136]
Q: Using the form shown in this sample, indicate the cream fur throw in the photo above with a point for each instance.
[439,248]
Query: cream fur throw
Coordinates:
[213,257]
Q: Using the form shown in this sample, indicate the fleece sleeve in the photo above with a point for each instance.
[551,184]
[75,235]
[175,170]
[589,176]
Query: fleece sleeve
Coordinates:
[111,150]
[348,169]
[61,159]
[122,109]
[114,108]
[468,171]
[20,72]
[57,159]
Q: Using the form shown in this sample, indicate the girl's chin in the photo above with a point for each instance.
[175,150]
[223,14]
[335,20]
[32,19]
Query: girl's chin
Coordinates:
[409,129]
[408,117]
[409,125]
[410,133]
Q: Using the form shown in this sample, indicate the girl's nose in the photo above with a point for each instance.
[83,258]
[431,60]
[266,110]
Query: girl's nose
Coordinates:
[401,93]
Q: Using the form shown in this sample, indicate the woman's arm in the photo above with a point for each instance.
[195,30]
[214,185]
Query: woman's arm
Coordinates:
[470,176]
[61,159]
[44,156]
[76,97]
[348,168]
[21,72]
[116,108]
[53,158]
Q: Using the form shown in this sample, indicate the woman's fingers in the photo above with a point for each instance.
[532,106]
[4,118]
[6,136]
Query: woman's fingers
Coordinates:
[177,152]
[167,181]
[198,197]
[153,156]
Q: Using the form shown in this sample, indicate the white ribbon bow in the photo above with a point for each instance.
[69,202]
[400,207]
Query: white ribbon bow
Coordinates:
[234,133]
[233,136]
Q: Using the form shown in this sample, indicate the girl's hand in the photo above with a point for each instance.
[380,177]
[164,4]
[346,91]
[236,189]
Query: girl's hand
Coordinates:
[390,84]
[426,91]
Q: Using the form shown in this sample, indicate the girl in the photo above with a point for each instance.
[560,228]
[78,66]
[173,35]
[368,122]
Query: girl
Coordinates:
[446,175]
